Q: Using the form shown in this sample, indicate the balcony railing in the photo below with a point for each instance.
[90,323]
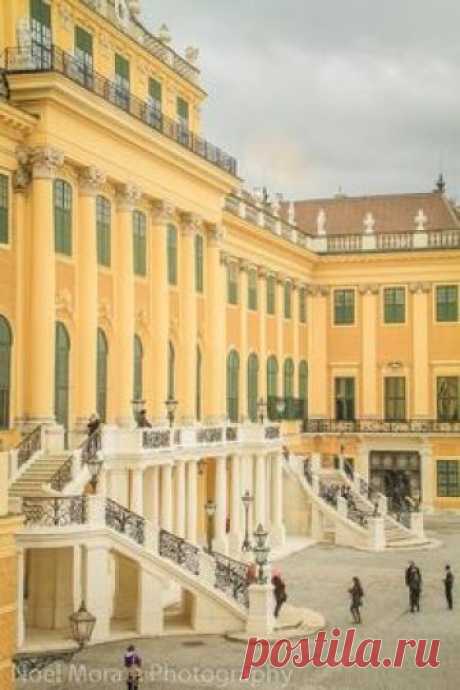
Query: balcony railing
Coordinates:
[288,409]
[380,426]
[53,59]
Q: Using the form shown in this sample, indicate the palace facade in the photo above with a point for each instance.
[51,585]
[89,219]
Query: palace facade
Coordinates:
[136,272]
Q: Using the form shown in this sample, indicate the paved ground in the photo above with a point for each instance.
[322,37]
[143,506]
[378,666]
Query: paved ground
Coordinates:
[318,578]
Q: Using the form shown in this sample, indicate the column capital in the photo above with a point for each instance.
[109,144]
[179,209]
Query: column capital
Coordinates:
[128,195]
[163,211]
[45,160]
[369,289]
[318,290]
[216,234]
[262,271]
[91,180]
[280,277]
[225,258]
[419,288]
[244,265]
[22,175]
[190,223]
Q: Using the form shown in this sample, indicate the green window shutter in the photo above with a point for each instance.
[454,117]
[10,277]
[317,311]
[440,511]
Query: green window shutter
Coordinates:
[4,209]
[394,305]
[61,375]
[448,398]
[302,306]
[6,341]
[139,243]
[232,283]
[155,90]
[62,217]
[272,387]
[345,398]
[271,285]
[199,263]
[253,386]
[303,387]
[252,289]
[122,67]
[101,375]
[287,299]
[395,398]
[83,41]
[171,371]
[182,110]
[448,478]
[447,303]
[172,255]
[288,384]
[344,307]
[233,367]
[103,230]
[41,12]
[138,369]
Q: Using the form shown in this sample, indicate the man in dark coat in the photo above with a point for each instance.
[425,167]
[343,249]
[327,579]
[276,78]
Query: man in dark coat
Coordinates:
[448,586]
[414,582]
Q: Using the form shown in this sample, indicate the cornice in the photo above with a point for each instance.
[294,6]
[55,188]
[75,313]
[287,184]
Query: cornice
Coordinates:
[17,121]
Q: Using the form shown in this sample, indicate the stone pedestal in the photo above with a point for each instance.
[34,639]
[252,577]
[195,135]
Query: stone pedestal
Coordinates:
[416,524]
[260,620]
[377,533]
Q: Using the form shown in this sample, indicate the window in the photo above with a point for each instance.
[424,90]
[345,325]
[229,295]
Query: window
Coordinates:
[344,307]
[154,113]
[303,388]
[272,387]
[84,56]
[302,305]
[233,368]
[171,372]
[61,375]
[447,303]
[103,224]
[344,399]
[253,386]
[183,120]
[288,381]
[172,255]
[40,15]
[6,341]
[62,217]
[394,305]
[199,263]
[139,243]
[199,367]
[138,369]
[287,299]
[4,209]
[252,289]
[232,283]
[448,477]
[271,294]
[102,375]
[395,398]
[448,394]
[122,85]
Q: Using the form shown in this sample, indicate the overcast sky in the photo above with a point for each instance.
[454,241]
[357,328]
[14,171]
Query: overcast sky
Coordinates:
[313,95]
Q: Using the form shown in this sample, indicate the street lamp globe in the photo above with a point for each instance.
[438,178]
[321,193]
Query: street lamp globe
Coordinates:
[261,551]
[82,624]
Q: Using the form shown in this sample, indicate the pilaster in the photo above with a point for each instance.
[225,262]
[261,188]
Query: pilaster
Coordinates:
[420,350]
[317,317]
[369,378]
[216,328]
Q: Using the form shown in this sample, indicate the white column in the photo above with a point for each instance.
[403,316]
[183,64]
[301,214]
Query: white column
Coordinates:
[220,535]
[166,497]
[260,491]
[21,624]
[236,538]
[278,532]
[180,498]
[97,593]
[137,491]
[192,501]
[152,495]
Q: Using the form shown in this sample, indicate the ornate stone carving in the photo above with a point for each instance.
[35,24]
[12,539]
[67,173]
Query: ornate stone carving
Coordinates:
[91,180]
[22,176]
[369,223]
[291,213]
[65,16]
[104,44]
[163,211]
[225,258]
[262,271]
[216,235]
[128,195]
[244,265]
[321,222]
[142,320]
[192,54]
[318,290]
[64,304]
[368,289]
[190,223]
[419,288]
[420,221]
[105,312]
[45,160]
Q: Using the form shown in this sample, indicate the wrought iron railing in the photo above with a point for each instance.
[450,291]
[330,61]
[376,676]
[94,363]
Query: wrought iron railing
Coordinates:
[91,446]
[232,578]
[272,432]
[63,476]
[125,521]
[285,408]
[308,474]
[328,494]
[380,426]
[156,438]
[29,445]
[59,511]
[179,551]
[210,435]
[53,59]
[231,434]
[357,515]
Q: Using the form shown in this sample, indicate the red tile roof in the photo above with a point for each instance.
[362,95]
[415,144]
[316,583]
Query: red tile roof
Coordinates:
[391,213]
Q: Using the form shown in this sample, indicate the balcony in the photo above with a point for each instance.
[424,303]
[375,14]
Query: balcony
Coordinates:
[42,59]
[381,426]
[286,409]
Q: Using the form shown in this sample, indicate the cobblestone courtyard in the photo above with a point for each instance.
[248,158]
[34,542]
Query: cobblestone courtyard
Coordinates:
[318,578]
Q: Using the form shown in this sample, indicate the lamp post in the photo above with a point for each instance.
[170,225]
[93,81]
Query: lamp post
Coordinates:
[94,466]
[261,409]
[261,551]
[171,405]
[82,624]
[210,509]
[247,501]
[137,404]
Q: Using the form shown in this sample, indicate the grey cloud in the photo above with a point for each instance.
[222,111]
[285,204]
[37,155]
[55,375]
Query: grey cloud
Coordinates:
[311,95]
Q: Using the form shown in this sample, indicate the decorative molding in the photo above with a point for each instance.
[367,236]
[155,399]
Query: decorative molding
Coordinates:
[105,313]
[216,234]
[128,195]
[64,305]
[369,289]
[262,271]
[45,160]
[163,211]
[142,320]
[244,265]
[417,288]
[22,176]
[318,290]
[91,180]
[190,223]
[224,258]
[65,16]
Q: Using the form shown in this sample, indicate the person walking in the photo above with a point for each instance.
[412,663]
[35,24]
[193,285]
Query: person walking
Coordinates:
[132,663]
[448,586]
[93,424]
[356,593]
[279,592]
[414,583]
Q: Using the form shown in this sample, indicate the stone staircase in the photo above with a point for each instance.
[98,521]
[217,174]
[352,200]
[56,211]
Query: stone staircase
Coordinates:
[39,473]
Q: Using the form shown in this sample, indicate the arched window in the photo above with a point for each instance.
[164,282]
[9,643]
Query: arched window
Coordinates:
[303,388]
[103,230]
[199,366]
[171,372]
[287,299]
[272,386]
[233,368]
[139,243]
[172,255]
[61,375]
[288,389]
[62,217]
[102,371]
[253,386]
[199,263]
[6,341]
[138,369]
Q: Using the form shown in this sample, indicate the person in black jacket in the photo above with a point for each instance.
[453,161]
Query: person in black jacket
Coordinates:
[414,583]
[356,592]
[279,592]
[448,586]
